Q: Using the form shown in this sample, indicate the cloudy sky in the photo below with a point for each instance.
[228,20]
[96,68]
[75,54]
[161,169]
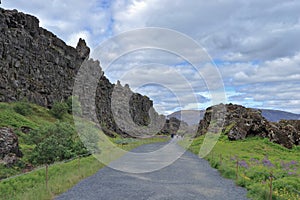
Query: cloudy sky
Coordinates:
[254,44]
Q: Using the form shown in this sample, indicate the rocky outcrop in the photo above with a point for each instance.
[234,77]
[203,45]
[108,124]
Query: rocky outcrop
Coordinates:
[9,147]
[131,113]
[285,132]
[239,123]
[38,66]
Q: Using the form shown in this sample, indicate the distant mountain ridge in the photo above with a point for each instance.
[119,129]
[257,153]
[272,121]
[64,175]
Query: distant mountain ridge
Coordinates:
[192,117]
[277,115]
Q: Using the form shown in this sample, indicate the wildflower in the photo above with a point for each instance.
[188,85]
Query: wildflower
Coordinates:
[266,162]
[291,173]
[243,163]
[288,165]
[293,162]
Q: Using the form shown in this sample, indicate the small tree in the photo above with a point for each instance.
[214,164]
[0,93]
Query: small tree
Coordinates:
[60,142]
[47,152]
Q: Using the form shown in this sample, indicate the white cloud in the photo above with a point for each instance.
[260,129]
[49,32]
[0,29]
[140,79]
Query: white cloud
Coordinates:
[66,18]
[248,30]
[257,42]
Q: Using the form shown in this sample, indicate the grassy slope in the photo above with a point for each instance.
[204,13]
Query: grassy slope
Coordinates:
[256,159]
[62,176]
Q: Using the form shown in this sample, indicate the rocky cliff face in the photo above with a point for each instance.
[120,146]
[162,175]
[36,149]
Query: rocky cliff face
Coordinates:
[34,63]
[38,66]
[240,122]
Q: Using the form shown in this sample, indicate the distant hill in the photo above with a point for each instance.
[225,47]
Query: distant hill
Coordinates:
[277,115]
[192,117]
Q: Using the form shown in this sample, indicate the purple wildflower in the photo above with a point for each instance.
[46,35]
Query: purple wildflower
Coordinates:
[266,162]
[288,165]
[291,173]
[243,163]
[293,162]
[284,165]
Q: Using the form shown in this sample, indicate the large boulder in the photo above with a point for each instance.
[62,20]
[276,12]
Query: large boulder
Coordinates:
[9,147]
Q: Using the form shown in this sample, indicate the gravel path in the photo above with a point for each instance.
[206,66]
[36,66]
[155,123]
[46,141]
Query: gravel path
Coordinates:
[188,178]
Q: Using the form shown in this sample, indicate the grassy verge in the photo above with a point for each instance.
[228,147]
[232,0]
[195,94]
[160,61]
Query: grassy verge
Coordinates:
[62,176]
[254,163]
[131,143]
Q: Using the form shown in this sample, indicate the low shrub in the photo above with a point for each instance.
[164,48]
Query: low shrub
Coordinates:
[59,109]
[23,108]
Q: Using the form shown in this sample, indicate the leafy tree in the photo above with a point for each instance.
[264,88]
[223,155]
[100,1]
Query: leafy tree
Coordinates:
[48,151]
[59,142]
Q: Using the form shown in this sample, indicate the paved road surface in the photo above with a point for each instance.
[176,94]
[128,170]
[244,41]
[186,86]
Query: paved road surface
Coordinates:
[188,178]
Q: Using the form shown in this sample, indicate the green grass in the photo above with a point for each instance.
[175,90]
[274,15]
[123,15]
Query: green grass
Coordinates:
[39,117]
[62,176]
[257,158]
[130,143]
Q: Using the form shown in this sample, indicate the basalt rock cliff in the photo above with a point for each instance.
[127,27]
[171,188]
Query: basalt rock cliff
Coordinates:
[34,63]
[38,66]
[238,122]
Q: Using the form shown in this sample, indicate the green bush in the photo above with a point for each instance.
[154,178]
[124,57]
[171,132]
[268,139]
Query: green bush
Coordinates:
[59,109]
[56,142]
[23,108]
